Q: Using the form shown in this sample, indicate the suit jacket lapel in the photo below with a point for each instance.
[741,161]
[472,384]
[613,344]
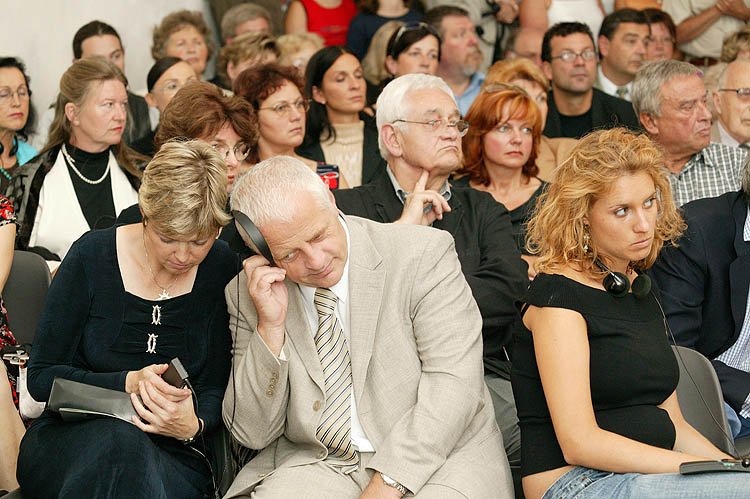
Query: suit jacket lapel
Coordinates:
[366,283]
[387,204]
[300,335]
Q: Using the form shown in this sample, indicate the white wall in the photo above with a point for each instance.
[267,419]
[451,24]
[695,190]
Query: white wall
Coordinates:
[40,32]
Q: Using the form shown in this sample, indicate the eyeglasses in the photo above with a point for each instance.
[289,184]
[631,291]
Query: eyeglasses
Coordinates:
[241,150]
[7,94]
[437,125]
[741,92]
[570,56]
[412,26]
[666,40]
[282,109]
[173,86]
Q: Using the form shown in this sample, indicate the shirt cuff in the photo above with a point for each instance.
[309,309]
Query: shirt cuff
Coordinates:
[282,355]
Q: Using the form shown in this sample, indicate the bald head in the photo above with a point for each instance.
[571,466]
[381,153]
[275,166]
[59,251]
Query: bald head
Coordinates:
[733,108]
[527,43]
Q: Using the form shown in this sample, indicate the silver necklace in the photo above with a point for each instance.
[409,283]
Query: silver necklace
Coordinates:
[72,164]
[164,295]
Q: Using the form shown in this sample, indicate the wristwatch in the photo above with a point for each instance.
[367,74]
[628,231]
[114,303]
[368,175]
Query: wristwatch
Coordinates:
[198,433]
[393,483]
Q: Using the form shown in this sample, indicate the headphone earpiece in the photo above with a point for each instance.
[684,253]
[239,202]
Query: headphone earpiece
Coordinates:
[618,284]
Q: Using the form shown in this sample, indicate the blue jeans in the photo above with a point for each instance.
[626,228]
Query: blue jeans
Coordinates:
[585,483]
[740,426]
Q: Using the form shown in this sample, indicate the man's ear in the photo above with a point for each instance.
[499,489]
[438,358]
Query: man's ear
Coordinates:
[649,123]
[717,102]
[318,95]
[389,134]
[603,46]
[547,69]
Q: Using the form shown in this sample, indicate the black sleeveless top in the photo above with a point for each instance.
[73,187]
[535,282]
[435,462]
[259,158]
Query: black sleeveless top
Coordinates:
[632,369]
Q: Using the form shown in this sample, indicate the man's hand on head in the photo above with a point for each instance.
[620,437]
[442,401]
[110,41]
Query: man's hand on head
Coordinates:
[265,285]
[422,207]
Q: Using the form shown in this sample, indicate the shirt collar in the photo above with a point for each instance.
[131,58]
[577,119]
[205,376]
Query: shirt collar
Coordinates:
[609,87]
[726,139]
[445,189]
[341,288]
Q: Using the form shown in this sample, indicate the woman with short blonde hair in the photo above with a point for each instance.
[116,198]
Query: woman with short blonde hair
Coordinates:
[125,302]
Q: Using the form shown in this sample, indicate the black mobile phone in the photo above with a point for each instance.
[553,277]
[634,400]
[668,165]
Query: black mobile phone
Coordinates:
[175,375]
[249,229]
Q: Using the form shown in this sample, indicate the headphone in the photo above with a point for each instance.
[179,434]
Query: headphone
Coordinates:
[618,284]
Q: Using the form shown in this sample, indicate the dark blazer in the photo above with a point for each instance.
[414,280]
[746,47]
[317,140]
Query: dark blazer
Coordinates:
[372,162]
[607,112]
[484,242]
[704,284]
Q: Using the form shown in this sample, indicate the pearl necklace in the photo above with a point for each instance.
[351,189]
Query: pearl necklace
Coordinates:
[72,164]
[164,295]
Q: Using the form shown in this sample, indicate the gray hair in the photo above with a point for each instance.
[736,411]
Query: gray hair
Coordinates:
[392,104]
[650,79]
[239,14]
[269,190]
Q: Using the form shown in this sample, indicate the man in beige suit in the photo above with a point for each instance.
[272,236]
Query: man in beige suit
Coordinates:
[358,358]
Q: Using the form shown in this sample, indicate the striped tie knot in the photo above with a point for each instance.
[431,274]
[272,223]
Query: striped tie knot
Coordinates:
[325,301]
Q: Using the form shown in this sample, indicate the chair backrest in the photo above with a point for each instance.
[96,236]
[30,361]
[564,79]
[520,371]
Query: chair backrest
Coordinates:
[701,401]
[24,293]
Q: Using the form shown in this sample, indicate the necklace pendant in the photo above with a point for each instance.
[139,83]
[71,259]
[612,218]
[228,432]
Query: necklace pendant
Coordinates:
[164,295]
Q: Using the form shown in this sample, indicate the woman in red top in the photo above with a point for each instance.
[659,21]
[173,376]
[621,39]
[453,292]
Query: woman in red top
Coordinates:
[328,18]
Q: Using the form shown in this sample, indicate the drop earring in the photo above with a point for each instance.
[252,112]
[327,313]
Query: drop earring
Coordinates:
[586,238]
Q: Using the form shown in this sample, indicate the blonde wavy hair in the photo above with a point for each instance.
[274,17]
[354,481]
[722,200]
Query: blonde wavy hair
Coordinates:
[556,231]
[184,190]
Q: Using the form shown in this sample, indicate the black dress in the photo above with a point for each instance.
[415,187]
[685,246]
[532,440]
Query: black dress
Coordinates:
[632,370]
[93,331]
[519,216]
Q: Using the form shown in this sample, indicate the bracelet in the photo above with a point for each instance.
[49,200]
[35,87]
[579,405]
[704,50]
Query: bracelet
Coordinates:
[197,433]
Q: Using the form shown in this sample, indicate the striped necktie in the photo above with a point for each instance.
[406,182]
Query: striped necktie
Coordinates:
[621,92]
[334,430]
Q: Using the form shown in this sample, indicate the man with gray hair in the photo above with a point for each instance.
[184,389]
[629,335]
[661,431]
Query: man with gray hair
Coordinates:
[357,357]
[671,102]
[732,103]
[420,132]
[704,283]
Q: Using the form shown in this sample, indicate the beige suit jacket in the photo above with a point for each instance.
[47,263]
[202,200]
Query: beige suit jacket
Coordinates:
[416,352]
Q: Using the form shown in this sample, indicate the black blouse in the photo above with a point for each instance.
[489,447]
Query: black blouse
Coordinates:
[632,369]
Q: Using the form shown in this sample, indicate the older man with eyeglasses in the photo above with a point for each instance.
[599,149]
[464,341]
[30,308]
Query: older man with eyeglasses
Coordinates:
[420,132]
[575,106]
[732,103]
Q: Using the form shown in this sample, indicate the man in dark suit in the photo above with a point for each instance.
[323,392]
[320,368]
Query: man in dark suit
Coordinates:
[704,284]
[420,138]
[575,106]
